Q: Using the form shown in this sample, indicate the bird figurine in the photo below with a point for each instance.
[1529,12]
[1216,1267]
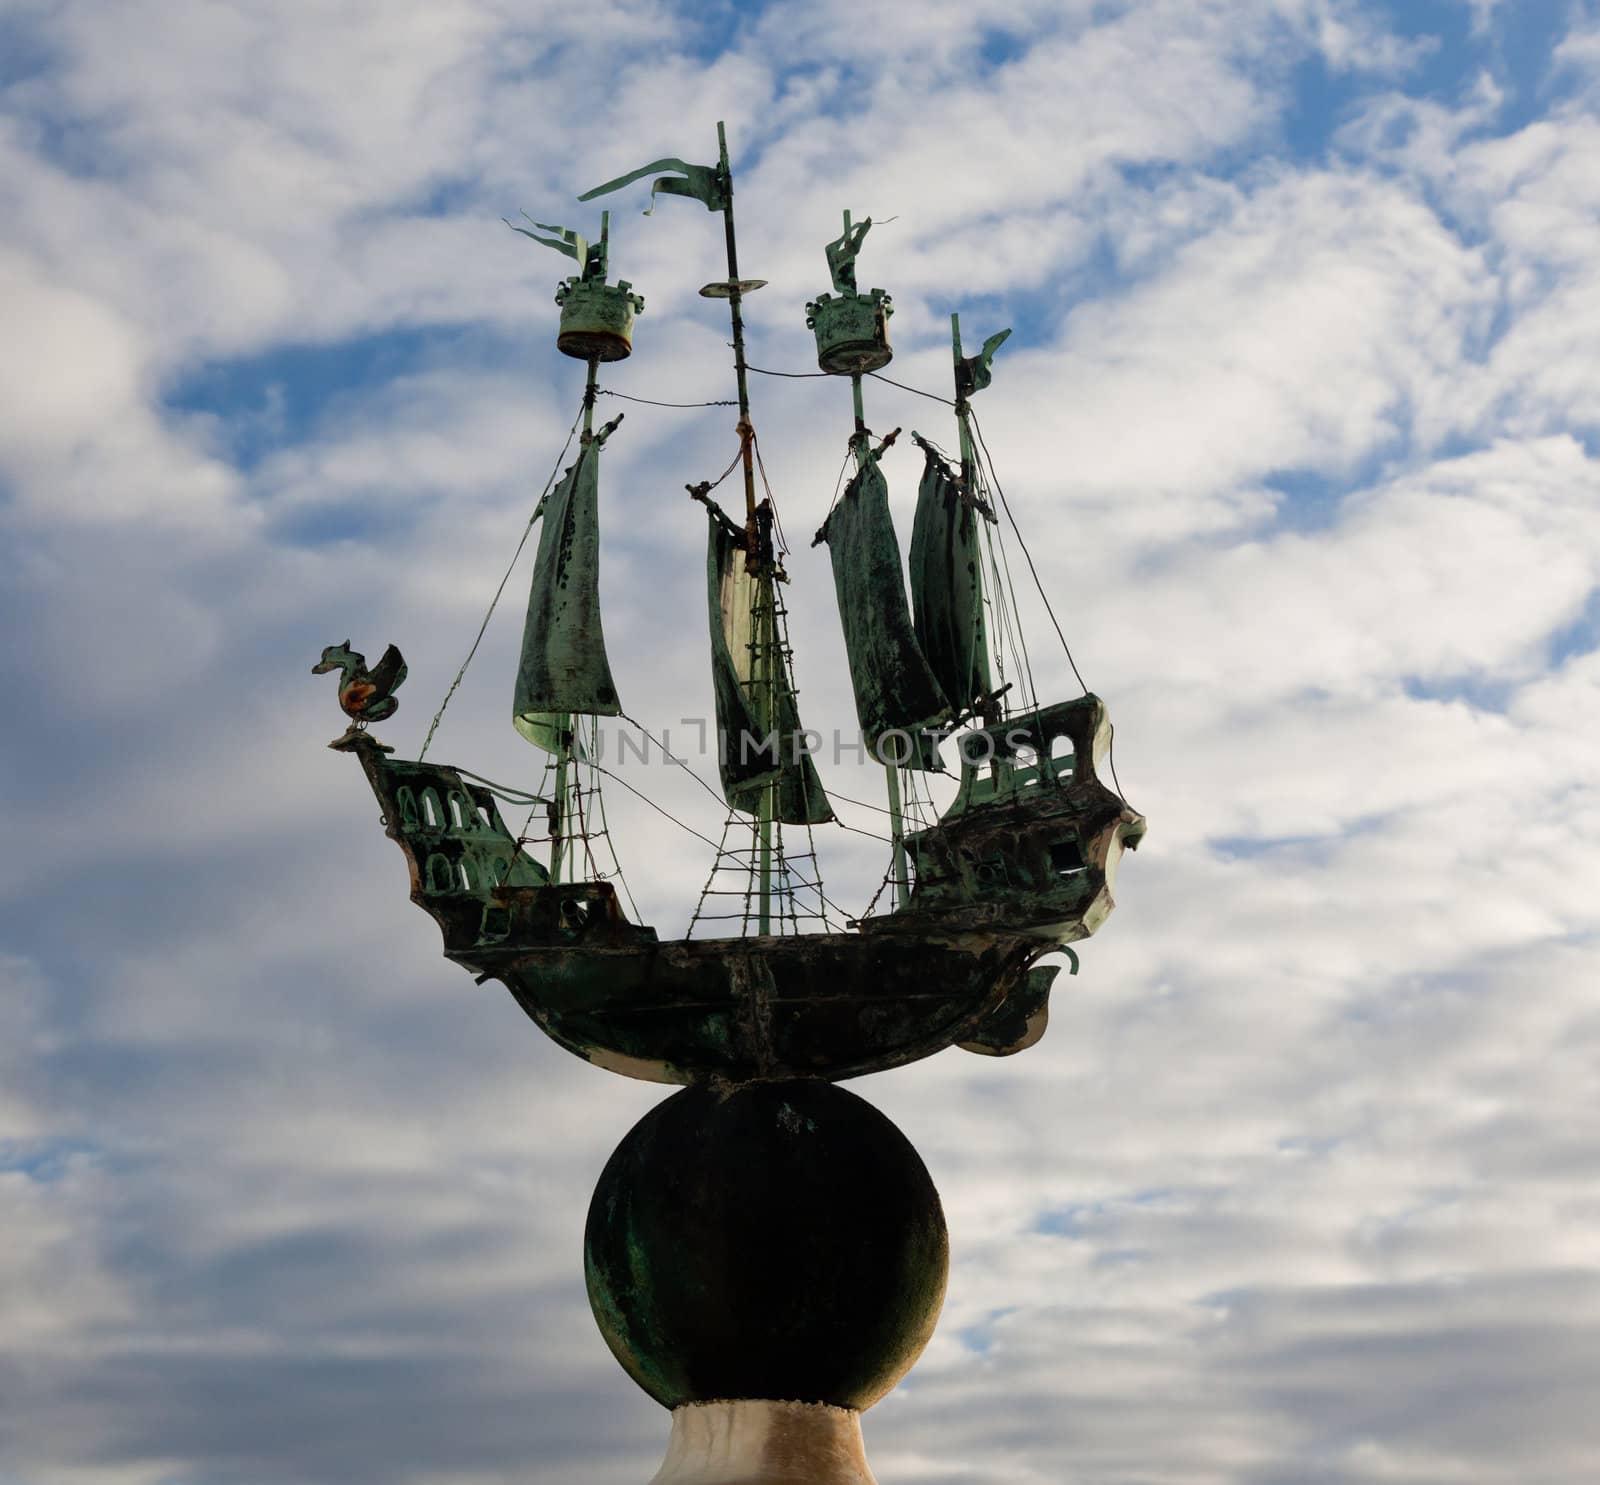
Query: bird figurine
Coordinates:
[365,695]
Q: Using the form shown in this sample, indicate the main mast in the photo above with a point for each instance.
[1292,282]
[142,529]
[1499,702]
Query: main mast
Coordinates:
[768,691]
[764,632]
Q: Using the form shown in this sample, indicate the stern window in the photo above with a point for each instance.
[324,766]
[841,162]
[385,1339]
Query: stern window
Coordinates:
[1066,858]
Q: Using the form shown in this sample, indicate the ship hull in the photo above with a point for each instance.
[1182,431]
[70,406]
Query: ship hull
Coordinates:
[816,1005]
[829,1006]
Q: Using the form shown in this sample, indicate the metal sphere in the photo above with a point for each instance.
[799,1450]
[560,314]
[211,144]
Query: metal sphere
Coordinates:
[773,1240]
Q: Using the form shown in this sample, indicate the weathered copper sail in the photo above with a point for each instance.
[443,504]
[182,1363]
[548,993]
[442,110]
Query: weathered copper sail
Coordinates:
[947,585]
[759,739]
[564,669]
[895,688]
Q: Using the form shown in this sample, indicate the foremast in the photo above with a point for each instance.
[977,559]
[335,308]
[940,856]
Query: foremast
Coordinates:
[564,675]
[563,806]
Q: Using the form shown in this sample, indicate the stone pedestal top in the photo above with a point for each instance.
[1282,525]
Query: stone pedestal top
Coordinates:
[756,1441]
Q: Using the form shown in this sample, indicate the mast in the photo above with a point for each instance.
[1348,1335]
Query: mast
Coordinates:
[963,407]
[891,767]
[735,293]
[852,337]
[564,673]
[792,793]
[972,374]
[860,445]
[989,713]
[764,635]
[560,808]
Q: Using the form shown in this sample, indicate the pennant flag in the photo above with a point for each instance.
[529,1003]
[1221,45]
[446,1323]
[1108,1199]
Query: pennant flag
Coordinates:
[976,371]
[700,182]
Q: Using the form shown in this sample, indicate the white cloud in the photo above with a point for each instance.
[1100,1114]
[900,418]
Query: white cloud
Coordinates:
[1299,1187]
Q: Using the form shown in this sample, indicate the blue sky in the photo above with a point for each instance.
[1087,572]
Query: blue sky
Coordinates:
[1300,418]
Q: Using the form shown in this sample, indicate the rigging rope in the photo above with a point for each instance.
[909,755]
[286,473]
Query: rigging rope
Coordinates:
[600,768]
[838,484]
[502,791]
[700,491]
[875,375]
[1013,620]
[720,847]
[878,376]
[651,402]
[750,875]
[811,844]
[1006,505]
[538,508]
[871,906]
[772,500]
[605,830]
[666,753]
[888,840]
[880,808]
[716,795]
[791,375]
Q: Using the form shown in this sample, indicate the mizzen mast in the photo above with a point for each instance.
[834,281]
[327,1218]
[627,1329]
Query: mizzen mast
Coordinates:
[895,692]
[947,554]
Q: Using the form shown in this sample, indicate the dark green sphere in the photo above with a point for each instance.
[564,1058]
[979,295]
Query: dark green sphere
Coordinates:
[777,1240]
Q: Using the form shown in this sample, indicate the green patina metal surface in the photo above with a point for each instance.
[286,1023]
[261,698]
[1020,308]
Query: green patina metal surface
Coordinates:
[1020,1019]
[947,585]
[852,329]
[973,373]
[707,184]
[564,668]
[827,1006]
[455,841]
[817,1275]
[1021,863]
[895,689]
[852,332]
[590,257]
[1032,839]
[842,253]
[596,317]
[364,695]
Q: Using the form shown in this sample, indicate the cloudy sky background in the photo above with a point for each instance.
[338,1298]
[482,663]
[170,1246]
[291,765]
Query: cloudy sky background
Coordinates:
[1300,416]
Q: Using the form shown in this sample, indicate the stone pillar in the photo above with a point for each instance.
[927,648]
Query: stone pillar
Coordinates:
[767,1260]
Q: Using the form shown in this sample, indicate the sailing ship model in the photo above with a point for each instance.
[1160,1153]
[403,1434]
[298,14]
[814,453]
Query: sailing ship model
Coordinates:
[1018,866]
